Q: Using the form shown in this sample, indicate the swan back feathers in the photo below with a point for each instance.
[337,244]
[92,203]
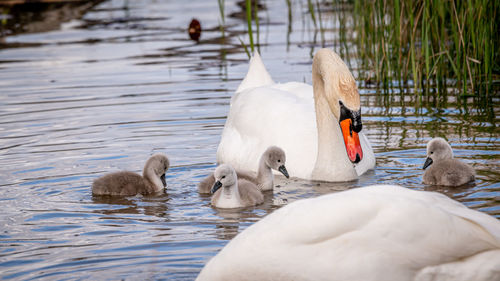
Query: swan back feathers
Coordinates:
[369,233]
[257,75]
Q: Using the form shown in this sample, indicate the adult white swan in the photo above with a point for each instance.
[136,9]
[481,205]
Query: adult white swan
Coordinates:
[304,121]
[370,233]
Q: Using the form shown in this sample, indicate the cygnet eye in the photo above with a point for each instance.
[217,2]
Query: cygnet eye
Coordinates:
[279,160]
[432,152]
[223,177]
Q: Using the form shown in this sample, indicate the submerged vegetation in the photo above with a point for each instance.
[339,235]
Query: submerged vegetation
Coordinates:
[437,44]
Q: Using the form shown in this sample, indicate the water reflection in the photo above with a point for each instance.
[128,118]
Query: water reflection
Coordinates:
[147,205]
[31,17]
[125,81]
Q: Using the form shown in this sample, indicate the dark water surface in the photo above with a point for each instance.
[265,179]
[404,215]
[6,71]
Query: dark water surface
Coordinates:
[103,93]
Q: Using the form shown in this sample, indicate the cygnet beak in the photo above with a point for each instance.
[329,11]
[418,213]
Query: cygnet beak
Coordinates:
[283,170]
[427,163]
[163,180]
[216,187]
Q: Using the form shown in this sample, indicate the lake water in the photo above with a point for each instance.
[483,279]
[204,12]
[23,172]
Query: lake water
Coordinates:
[102,93]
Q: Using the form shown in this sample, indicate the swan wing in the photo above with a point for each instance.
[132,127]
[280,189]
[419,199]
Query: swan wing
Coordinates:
[249,192]
[281,115]
[257,75]
[368,233]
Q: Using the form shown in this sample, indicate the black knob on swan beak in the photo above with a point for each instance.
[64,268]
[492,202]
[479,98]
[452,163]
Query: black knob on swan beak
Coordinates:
[357,126]
[355,117]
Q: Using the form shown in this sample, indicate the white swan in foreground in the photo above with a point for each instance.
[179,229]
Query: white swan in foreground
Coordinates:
[371,233]
[273,158]
[129,183]
[230,192]
[444,169]
[306,123]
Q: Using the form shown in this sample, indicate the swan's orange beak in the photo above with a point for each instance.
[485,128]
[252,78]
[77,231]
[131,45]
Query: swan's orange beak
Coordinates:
[351,141]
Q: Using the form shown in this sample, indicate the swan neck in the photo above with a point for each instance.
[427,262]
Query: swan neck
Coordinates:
[154,181]
[265,179]
[332,162]
[229,197]
[325,120]
[329,139]
[231,191]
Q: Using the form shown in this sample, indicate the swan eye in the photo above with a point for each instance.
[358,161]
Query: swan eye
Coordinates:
[223,177]
[279,160]
[432,152]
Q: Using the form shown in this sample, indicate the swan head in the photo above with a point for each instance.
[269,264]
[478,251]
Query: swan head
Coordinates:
[437,149]
[334,83]
[275,159]
[158,164]
[225,175]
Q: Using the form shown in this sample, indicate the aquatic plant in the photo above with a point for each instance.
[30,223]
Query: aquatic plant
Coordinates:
[433,47]
[248,6]
[435,44]
[222,22]
[251,17]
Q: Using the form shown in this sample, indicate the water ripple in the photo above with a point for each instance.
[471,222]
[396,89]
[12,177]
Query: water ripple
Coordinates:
[105,91]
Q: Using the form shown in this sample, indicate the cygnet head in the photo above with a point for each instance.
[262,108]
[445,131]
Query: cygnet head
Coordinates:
[275,159]
[437,149]
[159,164]
[225,175]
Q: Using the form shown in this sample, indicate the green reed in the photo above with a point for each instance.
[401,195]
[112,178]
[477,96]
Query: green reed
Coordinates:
[248,6]
[257,26]
[438,44]
[222,15]
[251,17]
[310,7]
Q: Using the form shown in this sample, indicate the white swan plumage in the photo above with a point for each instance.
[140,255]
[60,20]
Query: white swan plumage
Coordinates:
[370,233]
[264,113]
